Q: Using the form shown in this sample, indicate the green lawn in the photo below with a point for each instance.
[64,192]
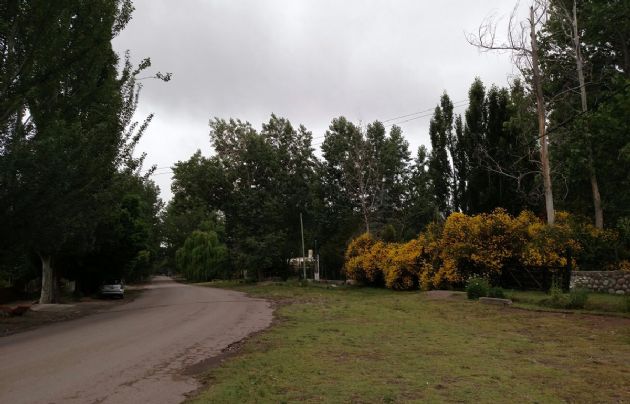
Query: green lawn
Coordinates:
[597,302]
[364,345]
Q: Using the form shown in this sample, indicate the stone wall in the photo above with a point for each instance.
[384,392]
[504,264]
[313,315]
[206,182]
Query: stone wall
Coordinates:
[617,282]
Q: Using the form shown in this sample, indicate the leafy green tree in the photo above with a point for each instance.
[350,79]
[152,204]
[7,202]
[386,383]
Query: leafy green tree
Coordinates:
[203,257]
[66,131]
[420,208]
[585,61]
[349,161]
[64,155]
[269,175]
[460,158]
[497,141]
[366,170]
[362,183]
[491,152]
[392,158]
[200,191]
[610,127]
[474,130]
[336,213]
[294,180]
[126,239]
[520,152]
[440,132]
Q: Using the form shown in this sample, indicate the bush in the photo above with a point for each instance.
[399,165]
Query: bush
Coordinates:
[485,244]
[556,298]
[355,266]
[577,299]
[477,245]
[448,253]
[477,287]
[374,262]
[400,265]
[496,293]
[362,259]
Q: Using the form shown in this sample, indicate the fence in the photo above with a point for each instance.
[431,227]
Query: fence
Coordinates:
[537,277]
[532,277]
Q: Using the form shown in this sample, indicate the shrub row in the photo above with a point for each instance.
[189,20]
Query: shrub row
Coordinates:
[464,246]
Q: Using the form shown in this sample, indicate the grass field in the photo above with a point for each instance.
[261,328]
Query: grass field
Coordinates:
[364,345]
[597,302]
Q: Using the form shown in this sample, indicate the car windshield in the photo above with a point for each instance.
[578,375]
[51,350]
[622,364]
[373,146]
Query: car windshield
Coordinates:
[113,282]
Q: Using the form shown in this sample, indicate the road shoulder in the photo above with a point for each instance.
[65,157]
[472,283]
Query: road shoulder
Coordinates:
[43,315]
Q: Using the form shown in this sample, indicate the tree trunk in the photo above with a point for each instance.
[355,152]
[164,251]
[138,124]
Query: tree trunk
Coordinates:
[540,108]
[597,202]
[48,294]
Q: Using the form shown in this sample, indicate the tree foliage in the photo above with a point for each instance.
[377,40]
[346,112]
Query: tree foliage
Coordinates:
[70,186]
[203,257]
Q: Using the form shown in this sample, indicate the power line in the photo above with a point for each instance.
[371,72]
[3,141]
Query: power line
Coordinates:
[423,116]
[465,101]
[418,112]
[428,112]
[146,170]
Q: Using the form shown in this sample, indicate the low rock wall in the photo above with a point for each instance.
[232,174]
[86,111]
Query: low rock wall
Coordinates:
[614,282]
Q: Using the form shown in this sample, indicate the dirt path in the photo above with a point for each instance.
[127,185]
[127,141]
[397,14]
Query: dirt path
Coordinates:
[134,353]
[38,316]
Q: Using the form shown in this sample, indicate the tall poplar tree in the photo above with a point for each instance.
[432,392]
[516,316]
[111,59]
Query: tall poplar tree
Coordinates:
[60,120]
[440,130]
[420,206]
[460,158]
[474,139]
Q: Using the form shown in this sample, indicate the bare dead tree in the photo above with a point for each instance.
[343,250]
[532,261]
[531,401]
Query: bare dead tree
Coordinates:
[522,43]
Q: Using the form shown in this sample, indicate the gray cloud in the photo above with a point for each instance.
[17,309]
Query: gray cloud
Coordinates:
[308,61]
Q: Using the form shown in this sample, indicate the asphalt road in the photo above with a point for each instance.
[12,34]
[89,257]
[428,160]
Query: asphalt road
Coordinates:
[134,353]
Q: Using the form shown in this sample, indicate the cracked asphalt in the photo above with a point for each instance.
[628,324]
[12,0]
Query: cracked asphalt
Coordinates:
[133,353]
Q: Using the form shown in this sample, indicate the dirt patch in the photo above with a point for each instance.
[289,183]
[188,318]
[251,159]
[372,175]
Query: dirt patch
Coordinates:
[199,369]
[443,294]
[37,318]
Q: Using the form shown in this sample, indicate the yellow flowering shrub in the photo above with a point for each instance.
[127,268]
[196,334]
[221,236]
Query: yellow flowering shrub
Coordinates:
[479,244]
[448,254]
[362,259]
[373,262]
[431,271]
[401,263]
[548,245]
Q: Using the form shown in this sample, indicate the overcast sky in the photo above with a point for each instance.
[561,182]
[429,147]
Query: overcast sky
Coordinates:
[306,60]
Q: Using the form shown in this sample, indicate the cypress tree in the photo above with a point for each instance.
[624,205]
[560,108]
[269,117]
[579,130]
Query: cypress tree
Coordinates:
[474,140]
[439,166]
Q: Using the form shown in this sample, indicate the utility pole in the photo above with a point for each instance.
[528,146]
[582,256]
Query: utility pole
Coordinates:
[303,257]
